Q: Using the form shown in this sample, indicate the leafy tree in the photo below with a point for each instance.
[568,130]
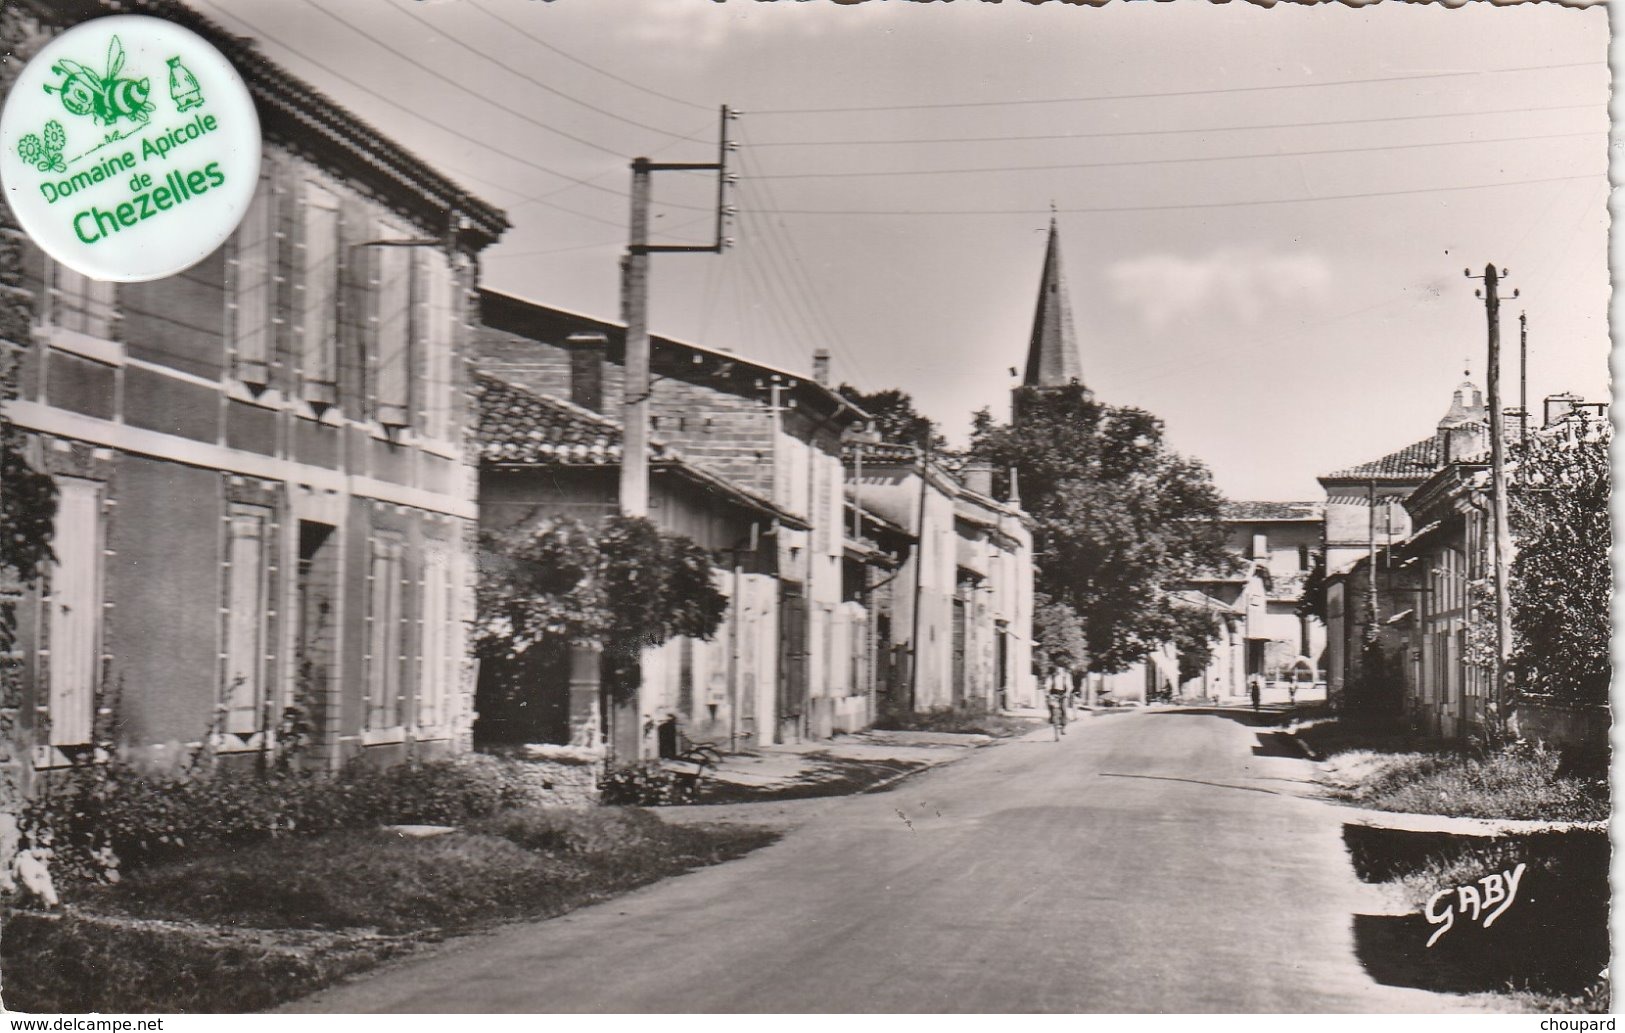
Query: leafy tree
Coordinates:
[1312,599]
[1120,516]
[626,586]
[1058,642]
[895,418]
[1561,581]
[1196,629]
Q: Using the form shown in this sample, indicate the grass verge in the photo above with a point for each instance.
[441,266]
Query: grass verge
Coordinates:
[1512,783]
[245,930]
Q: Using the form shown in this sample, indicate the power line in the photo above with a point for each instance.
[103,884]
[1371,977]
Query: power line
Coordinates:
[1182,207]
[1166,93]
[1170,161]
[518,72]
[568,57]
[483,143]
[1167,132]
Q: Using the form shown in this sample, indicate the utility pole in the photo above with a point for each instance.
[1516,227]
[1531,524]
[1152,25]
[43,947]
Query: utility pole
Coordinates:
[1523,380]
[1501,538]
[634,492]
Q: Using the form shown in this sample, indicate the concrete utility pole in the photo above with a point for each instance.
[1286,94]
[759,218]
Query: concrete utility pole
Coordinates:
[1523,379]
[635,308]
[1501,538]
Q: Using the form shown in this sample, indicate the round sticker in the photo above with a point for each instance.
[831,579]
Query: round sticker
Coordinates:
[129,148]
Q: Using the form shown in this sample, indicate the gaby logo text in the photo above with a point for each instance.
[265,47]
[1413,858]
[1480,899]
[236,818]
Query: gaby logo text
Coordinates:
[1488,898]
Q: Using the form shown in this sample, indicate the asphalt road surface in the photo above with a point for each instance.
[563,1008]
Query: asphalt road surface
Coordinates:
[1149,862]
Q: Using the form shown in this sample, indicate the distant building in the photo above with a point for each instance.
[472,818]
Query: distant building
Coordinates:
[961,603]
[1283,538]
[1365,513]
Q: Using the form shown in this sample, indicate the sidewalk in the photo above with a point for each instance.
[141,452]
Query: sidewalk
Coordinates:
[781,784]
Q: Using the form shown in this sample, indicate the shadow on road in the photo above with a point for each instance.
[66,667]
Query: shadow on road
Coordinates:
[1272,716]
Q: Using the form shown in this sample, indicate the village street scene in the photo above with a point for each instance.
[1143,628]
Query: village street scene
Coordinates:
[822,507]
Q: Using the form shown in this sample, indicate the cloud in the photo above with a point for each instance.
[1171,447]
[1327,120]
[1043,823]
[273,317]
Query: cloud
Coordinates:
[1240,283]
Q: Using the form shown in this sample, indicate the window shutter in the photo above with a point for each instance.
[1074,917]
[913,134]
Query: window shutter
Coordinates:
[394,328]
[253,266]
[384,635]
[321,289]
[75,603]
[290,292]
[245,619]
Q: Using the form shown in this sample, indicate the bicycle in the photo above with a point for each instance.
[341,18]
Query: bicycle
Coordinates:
[1057,718]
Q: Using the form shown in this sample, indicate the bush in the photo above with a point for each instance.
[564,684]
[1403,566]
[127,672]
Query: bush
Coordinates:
[557,830]
[648,784]
[98,821]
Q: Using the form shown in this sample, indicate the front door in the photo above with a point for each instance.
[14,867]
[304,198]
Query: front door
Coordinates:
[792,662]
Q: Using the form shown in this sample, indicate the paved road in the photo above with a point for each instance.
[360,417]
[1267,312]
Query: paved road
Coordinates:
[1149,862]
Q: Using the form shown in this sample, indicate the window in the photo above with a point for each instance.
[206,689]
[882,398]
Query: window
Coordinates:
[1261,545]
[243,656]
[395,329]
[1303,557]
[253,288]
[78,303]
[75,617]
[384,659]
[319,309]
[436,671]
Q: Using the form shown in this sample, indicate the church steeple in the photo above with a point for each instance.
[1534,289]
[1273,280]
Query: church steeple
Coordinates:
[1052,357]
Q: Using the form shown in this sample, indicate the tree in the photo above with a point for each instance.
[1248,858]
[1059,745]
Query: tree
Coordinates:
[895,418]
[1312,597]
[1120,517]
[1058,642]
[1561,579]
[1196,629]
[625,586]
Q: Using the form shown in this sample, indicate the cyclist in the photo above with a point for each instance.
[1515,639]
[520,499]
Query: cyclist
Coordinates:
[1056,698]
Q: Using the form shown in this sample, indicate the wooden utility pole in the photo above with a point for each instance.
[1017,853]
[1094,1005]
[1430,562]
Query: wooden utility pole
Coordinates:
[634,492]
[1500,534]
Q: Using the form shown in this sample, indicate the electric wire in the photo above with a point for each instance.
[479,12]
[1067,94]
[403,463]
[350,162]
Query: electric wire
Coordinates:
[592,67]
[1186,207]
[1115,133]
[1169,93]
[483,55]
[849,174]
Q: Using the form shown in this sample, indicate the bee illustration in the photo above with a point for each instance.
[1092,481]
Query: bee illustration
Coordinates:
[106,98]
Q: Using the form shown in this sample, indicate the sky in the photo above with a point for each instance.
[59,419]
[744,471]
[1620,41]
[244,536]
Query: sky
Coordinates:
[1265,213]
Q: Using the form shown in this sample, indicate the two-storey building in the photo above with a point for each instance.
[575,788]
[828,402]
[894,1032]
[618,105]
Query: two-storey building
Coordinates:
[266,497]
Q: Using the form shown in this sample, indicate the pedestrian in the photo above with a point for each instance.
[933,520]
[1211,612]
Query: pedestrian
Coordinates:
[1255,688]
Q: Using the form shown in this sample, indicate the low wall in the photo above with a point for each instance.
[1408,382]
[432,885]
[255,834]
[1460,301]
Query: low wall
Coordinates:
[1560,725]
[556,776]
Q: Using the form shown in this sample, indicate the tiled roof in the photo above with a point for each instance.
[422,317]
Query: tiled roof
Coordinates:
[296,113]
[1273,510]
[522,427]
[518,425]
[1412,462]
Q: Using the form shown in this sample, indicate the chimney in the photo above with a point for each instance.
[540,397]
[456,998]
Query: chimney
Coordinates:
[978,477]
[587,369]
[821,366]
[1559,406]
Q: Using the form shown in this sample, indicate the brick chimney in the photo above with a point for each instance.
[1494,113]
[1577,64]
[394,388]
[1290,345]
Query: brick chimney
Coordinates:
[821,366]
[587,369]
